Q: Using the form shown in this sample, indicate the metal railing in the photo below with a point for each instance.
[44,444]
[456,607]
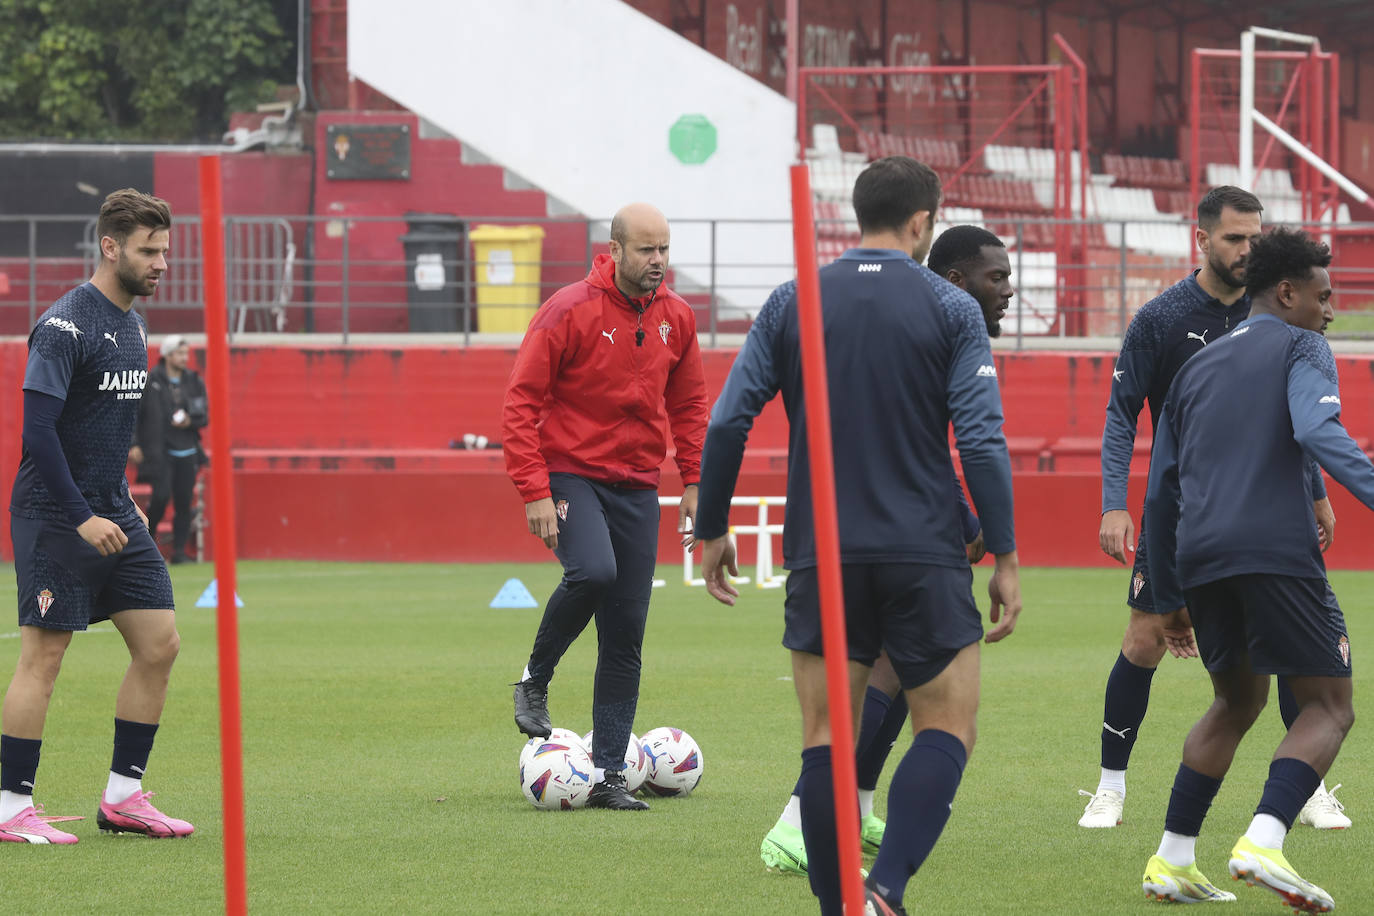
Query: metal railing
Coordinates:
[343,276]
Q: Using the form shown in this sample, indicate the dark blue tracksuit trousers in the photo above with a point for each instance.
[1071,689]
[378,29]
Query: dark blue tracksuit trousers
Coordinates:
[608,544]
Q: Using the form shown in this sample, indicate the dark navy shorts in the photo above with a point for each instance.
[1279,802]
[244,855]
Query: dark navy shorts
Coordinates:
[921,614]
[1138,593]
[65,584]
[1284,625]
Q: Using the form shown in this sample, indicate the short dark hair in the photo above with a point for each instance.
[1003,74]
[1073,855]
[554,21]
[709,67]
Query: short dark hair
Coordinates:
[958,245]
[130,209]
[1238,199]
[892,190]
[1282,254]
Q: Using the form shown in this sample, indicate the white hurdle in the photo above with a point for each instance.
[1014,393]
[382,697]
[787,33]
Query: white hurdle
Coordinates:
[764,576]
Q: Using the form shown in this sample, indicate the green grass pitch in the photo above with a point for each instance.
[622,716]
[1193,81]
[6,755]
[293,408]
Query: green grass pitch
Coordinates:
[380,760]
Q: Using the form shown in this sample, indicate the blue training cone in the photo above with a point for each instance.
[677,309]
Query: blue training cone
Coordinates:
[514,594]
[210,597]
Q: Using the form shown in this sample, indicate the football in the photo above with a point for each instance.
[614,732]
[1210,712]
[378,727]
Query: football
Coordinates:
[675,762]
[555,775]
[567,734]
[636,764]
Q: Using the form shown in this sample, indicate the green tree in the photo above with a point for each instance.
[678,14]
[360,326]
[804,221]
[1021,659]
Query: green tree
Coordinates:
[159,70]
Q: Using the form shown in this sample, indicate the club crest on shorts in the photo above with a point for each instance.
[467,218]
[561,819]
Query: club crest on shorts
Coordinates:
[664,329]
[1344,646]
[1137,583]
[45,600]
[561,507]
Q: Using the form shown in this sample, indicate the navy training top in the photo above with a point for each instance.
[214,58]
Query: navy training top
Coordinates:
[1228,492]
[1163,335]
[907,352]
[93,355]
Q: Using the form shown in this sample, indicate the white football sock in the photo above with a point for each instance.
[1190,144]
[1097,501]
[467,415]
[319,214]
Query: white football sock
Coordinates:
[791,815]
[1267,832]
[1178,850]
[121,787]
[865,802]
[11,803]
[1112,779]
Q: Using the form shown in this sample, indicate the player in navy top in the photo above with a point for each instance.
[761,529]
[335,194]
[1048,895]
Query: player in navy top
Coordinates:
[907,352]
[975,260]
[82,548]
[1165,333]
[1228,512]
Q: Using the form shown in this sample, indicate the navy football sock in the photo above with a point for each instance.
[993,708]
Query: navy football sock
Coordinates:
[133,742]
[1188,802]
[925,781]
[1290,784]
[882,723]
[1128,696]
[1288,704]
[817,791]
[19,763]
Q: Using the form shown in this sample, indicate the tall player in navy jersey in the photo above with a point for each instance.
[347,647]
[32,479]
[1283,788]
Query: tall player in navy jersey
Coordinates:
[82,549]
[907,352]
[975,260]
[1231,529]
[1163,335]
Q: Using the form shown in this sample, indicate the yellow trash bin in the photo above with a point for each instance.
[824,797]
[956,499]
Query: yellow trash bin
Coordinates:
[508,262]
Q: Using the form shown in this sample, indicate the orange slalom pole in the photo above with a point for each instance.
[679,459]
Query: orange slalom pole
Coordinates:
[817,395]
[222,502]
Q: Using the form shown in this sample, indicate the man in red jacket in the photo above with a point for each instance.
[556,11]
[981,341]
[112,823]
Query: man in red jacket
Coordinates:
[607,368]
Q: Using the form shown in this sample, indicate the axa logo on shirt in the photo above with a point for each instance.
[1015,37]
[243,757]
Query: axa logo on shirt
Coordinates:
[1330,399]
[129,383]
[63,324]
[867,268]
[987,372]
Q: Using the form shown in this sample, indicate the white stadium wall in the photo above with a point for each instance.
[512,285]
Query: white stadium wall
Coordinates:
[578,98]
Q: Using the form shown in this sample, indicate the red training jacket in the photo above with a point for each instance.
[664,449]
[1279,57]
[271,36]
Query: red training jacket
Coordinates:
[584,399]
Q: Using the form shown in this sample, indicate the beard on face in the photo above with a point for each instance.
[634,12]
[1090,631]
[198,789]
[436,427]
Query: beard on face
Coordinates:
[1232,278]
[646,283]
[133,283]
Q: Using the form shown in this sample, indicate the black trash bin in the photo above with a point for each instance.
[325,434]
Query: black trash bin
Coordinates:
[436,272]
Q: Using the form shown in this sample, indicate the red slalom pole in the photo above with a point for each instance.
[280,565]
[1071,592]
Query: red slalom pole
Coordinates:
[817,394]
[222,502]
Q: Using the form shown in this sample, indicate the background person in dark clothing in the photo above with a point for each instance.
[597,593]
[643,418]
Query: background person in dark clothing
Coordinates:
[167,440]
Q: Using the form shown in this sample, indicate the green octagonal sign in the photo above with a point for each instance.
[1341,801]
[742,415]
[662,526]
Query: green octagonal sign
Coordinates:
[692,139]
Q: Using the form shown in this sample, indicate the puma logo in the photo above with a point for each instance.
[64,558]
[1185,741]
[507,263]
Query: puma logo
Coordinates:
[111,338]
[610,335]
[1202,337]
[1120,734]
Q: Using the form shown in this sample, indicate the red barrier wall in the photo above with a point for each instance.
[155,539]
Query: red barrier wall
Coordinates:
[342,453]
